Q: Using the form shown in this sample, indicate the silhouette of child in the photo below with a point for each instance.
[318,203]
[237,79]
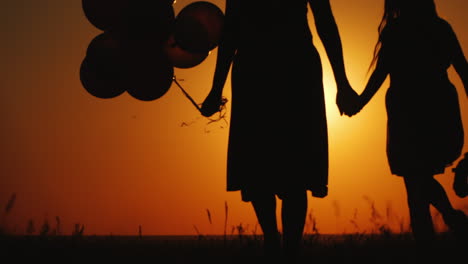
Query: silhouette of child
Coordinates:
[424,127]
[278,142]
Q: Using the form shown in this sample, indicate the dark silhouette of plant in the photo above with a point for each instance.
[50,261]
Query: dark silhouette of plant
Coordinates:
[225,219]
[45,228]
[10,203]
[78,231]
[57,227]
[30,229]
[9,206]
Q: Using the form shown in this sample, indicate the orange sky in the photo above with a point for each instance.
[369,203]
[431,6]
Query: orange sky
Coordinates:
[115,164]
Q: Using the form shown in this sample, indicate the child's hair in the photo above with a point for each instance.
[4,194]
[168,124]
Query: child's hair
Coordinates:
[394,9]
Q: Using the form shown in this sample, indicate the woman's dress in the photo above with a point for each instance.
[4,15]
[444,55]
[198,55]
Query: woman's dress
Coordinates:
[278,129]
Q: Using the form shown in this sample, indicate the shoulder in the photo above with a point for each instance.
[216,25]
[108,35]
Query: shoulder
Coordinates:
[443,25]
[445,29]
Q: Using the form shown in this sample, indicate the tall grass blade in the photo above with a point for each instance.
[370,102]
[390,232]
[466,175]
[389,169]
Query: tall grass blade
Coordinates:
[209,216]
[225,218]
[10,203]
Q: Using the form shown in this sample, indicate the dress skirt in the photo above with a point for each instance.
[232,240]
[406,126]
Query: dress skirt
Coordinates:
[278,128]
[425,132]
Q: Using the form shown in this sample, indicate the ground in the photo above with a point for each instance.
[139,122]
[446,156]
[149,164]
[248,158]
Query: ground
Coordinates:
[358,248]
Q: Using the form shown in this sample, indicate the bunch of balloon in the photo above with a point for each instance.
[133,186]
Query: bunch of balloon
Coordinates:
[141,43]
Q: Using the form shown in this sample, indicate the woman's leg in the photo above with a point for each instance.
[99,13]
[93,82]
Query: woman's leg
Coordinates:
[265,210]
[293,214]
[419,210]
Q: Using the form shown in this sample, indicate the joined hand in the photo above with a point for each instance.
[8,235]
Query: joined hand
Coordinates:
[348,101]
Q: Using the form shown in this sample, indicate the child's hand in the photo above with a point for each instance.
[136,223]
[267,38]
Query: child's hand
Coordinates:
[348,101]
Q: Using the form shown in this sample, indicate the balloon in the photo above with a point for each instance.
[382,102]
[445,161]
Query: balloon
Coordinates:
[105,44]
[105,15]
[101,77]
[181,58]
[101,70]
[148,73]
[198,27]
[154,17]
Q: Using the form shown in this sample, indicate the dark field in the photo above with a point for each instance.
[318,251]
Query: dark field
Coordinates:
[247,249]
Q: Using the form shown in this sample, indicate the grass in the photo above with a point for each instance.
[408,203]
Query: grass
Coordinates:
[243,245]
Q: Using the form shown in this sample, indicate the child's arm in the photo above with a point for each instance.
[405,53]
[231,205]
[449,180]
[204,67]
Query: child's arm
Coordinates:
[373,84]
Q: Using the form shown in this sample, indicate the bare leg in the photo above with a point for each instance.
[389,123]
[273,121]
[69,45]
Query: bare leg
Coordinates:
[454,219]
[265,210]
[420,215]
[293,215]
[438,197]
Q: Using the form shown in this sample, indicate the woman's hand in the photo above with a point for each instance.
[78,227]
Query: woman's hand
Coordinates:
[347,100]
[212,104]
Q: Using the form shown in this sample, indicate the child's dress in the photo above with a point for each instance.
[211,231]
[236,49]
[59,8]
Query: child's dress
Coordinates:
[425,131]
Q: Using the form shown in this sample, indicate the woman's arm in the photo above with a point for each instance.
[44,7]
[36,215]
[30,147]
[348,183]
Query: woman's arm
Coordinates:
[226,50]
[330,37]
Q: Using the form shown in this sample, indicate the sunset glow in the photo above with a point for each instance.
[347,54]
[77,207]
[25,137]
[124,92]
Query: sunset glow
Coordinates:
[117,164]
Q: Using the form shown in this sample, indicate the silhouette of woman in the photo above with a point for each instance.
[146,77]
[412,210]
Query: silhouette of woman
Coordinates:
[278,143]
[424,127]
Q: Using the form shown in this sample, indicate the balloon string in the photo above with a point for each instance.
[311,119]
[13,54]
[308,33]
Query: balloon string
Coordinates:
[222,114]
[186,94]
